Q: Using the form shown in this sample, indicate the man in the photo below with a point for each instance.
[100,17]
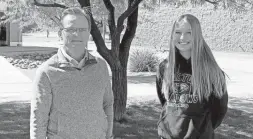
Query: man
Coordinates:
[72,96]
[2,36]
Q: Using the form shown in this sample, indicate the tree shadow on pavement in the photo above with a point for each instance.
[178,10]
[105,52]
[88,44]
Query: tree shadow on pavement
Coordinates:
[140,121]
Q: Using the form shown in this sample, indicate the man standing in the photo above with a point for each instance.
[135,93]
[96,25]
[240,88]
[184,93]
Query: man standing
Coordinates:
[2,36]
[72,97]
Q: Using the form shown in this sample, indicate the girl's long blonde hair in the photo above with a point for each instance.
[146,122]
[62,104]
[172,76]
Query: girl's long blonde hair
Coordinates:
[207,76]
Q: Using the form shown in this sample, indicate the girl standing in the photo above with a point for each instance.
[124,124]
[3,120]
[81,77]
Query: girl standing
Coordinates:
[190,85]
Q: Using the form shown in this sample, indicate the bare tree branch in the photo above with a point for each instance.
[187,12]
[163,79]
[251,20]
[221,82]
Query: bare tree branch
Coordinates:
[55,19]
[99,23]
[112,27]
[98,39]
[50,5]
[58,18]
[249,2]
[84,3]
[111,17]
[213,2]
[236,6]
[132,5]
[128,37]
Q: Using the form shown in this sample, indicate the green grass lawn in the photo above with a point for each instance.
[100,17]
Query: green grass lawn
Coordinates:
[139,122]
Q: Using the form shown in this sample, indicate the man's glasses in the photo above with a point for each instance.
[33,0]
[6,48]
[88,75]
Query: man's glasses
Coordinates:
[73,30]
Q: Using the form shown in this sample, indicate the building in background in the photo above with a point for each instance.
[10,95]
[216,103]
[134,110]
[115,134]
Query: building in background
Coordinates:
[10,32]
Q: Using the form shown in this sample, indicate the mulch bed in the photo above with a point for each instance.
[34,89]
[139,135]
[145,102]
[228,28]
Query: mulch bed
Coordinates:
[28,61]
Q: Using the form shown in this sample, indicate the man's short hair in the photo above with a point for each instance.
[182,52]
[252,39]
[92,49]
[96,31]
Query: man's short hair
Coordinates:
[77,11]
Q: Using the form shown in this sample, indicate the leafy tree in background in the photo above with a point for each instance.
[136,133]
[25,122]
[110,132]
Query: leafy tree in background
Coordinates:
[29,16]
[44,18]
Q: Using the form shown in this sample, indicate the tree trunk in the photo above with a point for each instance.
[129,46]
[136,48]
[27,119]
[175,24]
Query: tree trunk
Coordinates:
[119,87]
[117,56]
[104,28]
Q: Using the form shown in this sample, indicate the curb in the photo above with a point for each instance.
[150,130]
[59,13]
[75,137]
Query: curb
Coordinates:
[13,51]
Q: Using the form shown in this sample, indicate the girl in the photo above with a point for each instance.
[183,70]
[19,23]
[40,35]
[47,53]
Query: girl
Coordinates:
[190,85]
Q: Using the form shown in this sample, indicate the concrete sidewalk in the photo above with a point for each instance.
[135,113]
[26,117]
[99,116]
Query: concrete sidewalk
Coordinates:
[14,86]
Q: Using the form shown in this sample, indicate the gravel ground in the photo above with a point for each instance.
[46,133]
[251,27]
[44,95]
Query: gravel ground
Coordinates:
[28,61]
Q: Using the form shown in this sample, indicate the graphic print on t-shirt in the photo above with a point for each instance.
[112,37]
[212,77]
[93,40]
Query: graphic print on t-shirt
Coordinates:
[182,96]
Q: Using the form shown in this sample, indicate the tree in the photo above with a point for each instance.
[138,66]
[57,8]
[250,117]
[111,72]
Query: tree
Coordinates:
[28,15]
[117,56]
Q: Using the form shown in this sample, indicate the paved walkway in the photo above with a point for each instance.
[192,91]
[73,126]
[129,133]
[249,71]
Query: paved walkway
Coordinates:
[14,86]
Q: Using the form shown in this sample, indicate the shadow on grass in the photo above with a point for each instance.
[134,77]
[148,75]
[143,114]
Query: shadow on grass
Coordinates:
[141,119]
[238,122]
[14,122]
[139,122]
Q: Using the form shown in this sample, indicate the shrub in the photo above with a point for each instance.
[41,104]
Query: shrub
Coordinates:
[143,60]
